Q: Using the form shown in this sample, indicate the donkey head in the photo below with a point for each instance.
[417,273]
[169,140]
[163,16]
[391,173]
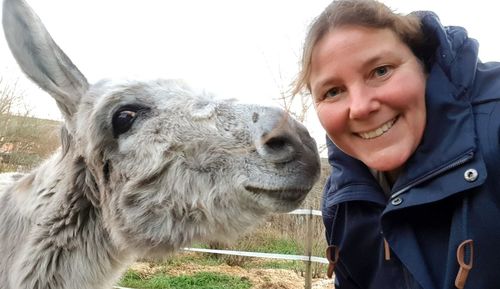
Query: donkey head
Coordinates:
[164,163]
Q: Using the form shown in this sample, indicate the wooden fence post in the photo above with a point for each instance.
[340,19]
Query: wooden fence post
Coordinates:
[308,251]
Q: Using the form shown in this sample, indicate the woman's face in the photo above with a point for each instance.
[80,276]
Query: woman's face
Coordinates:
[369,94]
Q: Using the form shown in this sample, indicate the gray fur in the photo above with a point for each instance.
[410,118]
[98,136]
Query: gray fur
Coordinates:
[190,169]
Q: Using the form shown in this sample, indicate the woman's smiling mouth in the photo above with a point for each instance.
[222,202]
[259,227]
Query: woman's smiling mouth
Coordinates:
[379,131]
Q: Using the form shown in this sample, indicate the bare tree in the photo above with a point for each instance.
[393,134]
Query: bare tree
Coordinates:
[11,98]
[7,97]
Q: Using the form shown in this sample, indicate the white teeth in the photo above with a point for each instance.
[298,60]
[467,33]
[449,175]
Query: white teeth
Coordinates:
[379,131]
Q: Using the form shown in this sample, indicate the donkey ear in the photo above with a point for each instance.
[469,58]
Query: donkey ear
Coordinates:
[41,58]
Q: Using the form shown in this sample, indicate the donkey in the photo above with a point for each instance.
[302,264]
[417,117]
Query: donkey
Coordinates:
[145,168]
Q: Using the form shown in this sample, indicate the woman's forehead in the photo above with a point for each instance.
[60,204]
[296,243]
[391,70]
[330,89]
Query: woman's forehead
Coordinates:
[353,48]
[342,43]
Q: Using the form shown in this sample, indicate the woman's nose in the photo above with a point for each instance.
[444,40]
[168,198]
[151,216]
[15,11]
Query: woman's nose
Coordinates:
[363,102]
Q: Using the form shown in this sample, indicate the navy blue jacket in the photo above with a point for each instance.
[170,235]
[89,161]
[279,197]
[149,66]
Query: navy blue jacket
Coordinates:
[448,192]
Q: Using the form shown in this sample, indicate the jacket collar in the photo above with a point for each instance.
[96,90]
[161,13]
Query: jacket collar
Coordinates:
[449,136]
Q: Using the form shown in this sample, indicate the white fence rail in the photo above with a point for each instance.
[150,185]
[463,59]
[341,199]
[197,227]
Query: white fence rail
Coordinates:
[262,255]
[306,212]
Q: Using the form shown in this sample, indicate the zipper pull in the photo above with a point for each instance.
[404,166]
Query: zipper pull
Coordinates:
[464,261]
[332,255]
[387,250]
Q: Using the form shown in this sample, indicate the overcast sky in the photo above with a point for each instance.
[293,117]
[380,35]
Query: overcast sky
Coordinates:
[246,50]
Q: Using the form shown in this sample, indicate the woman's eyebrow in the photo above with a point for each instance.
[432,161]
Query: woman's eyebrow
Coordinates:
[325,82]
[377,58]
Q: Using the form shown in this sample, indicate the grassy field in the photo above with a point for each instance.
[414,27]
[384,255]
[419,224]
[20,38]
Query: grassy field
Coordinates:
[189,270]
[283,234]
[206,280]
[25,142]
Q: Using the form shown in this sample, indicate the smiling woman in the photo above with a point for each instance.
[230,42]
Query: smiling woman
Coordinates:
[412,117]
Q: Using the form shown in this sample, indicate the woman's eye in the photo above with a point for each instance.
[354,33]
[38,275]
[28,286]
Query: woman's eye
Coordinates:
[333,92]
[381,71]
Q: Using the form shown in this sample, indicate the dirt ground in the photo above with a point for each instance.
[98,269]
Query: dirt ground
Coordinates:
[260,278]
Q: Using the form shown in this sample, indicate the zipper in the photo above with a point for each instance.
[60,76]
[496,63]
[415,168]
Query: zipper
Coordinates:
[468,156]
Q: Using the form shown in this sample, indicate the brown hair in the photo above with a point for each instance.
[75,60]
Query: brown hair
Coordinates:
[367,13]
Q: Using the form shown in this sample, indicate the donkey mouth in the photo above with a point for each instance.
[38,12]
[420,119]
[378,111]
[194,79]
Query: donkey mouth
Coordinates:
[283,194]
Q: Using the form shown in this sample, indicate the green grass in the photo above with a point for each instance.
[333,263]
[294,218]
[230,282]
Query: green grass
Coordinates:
[202,280]
[279,246]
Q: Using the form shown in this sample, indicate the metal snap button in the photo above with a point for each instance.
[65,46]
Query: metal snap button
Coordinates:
[397,201]
[470,175]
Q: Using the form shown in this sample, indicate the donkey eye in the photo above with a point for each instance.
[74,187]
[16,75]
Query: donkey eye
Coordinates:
[124,118]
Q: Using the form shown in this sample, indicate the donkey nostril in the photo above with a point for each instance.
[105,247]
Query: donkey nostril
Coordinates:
[279,148]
